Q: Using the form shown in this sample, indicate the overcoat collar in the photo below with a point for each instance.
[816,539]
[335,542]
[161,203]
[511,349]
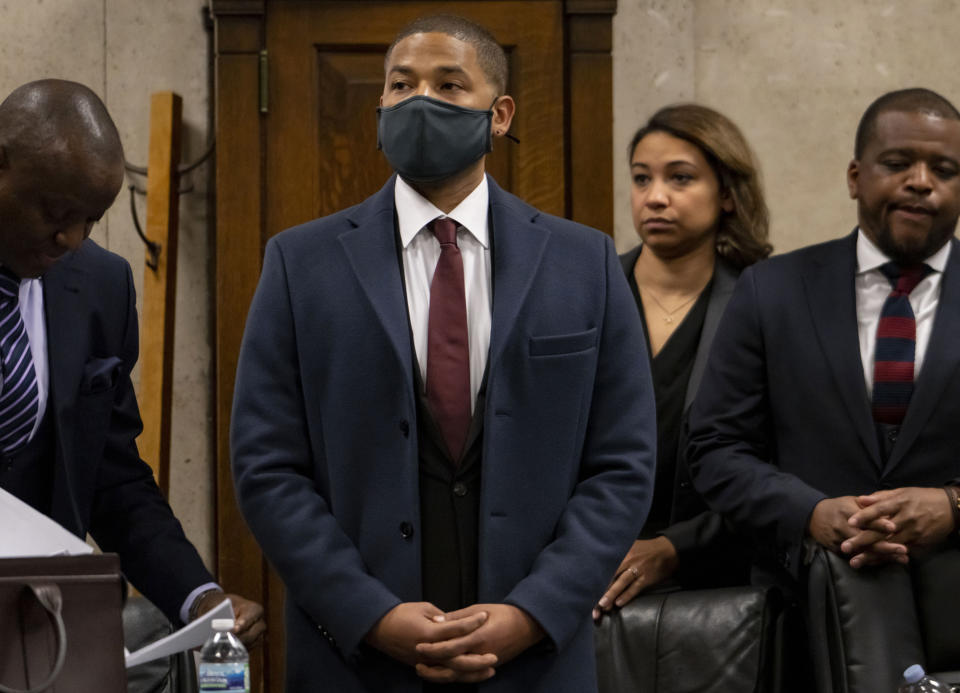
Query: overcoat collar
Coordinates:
[518,246]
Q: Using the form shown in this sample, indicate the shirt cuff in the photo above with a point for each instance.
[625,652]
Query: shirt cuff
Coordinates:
[192,597]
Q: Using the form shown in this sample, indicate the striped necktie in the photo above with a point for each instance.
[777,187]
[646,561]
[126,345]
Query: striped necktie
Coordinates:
[19,396]
[896,345]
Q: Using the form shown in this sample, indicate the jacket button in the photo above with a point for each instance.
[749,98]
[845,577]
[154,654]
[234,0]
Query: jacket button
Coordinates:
[684,484]
[406,530]
[405,428]
[892,435]
[459,489]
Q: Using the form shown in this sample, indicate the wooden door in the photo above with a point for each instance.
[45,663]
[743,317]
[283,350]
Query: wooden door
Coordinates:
[326,76]
[297,85]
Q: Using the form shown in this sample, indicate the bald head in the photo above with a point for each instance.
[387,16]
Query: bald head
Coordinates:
[56,117]
[61,167]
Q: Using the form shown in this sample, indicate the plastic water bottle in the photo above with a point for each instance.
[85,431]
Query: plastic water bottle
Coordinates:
[224,664]
[916,681]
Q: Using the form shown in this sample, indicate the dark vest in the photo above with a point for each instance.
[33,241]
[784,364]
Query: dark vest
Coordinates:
[449,507]
[28,472]
[886,437]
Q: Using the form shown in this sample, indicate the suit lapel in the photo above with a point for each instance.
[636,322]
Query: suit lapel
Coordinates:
[940,361]
[724,280]
[65,313]
[831,296]
[372,252]
[518,246]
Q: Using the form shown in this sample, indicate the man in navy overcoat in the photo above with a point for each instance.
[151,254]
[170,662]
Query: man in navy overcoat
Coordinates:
[412,563]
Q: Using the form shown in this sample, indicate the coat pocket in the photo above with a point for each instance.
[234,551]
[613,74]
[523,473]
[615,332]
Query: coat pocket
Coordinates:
[562,344]
[100,375]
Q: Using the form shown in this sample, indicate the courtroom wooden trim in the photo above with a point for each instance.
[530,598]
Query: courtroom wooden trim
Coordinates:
[608,7]
[160,284]
[589,106]
[223,8]
[239,214]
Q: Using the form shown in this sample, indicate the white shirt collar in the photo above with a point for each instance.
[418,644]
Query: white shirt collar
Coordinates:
[870,257]
[414,212]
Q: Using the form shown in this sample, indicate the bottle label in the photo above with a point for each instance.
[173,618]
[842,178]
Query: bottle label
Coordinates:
[227,676]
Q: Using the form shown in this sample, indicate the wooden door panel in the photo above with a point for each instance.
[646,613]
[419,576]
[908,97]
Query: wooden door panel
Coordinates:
[349,165]
[326,77]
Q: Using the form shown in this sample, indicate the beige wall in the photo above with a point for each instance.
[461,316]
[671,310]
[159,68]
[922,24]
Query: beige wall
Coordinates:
[125,50]
[795,76]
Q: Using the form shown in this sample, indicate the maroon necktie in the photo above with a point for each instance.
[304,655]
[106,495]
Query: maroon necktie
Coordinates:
[448,350]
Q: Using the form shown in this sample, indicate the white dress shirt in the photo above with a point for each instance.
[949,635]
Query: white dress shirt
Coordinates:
[421,251]
[872,289]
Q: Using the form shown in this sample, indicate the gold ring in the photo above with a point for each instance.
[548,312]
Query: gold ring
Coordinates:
[636,573]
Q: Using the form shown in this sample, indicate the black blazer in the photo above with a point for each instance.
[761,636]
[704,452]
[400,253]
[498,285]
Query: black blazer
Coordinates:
[783,419]
[101,485]
[709,553]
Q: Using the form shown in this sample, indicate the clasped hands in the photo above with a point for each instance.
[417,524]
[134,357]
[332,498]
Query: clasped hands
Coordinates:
[462,646]
[882,527]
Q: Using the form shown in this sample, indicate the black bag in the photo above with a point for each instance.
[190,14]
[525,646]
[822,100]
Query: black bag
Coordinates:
[726,639]
[60,626]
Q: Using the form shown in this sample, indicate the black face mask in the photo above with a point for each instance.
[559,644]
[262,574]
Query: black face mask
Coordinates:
[427,140]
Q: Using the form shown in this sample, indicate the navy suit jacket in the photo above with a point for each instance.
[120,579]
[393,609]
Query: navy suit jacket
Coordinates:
[101,485]
[782,419]
[325,453]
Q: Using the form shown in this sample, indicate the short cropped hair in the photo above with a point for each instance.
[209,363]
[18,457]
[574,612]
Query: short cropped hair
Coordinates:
[914,100]
[490,55]
[741,234]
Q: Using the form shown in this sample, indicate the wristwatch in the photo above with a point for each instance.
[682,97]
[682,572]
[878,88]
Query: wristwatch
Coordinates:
[954,496]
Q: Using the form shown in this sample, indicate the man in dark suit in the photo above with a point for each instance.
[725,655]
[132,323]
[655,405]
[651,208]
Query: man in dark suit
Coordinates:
[828,412]
[68,341]
[443,424]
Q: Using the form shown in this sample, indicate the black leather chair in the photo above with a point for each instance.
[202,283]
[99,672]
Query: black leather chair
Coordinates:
[724,640]
[867,626]
[143,624]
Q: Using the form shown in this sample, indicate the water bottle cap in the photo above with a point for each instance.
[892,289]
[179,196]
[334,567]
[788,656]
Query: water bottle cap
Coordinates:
[913,673]
[224,624]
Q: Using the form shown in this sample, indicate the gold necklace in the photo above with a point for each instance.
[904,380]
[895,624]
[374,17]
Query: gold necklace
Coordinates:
[668,314]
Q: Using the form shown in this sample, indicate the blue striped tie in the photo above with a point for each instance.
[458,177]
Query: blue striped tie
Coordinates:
[19,396]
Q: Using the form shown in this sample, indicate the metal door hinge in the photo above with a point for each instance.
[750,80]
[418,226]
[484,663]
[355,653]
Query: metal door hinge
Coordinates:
[264,81]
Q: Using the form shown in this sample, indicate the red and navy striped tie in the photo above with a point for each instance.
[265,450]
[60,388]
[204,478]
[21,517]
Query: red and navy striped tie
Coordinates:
[896,345]
[19,396]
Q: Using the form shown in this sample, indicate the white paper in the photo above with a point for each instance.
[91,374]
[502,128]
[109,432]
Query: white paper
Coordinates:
[26,532]
[194,634]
